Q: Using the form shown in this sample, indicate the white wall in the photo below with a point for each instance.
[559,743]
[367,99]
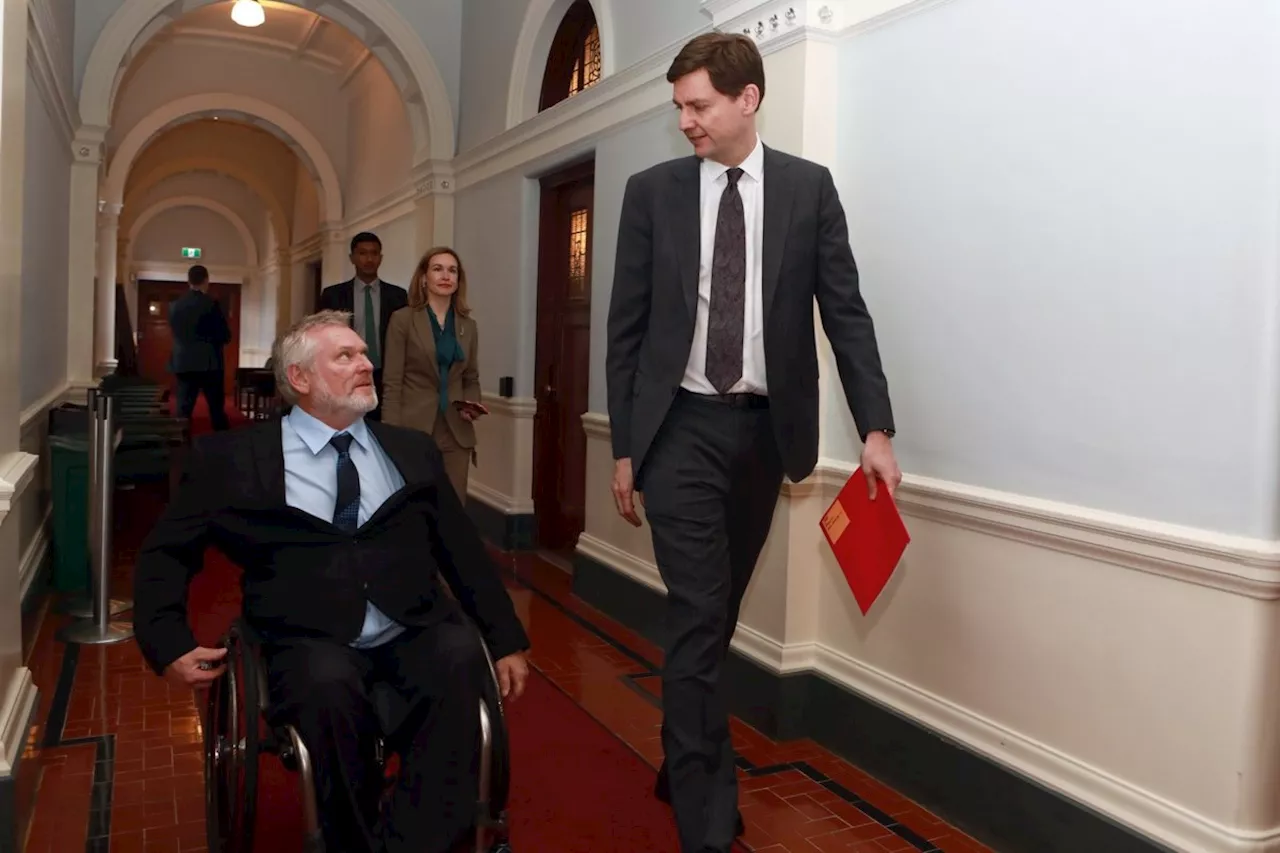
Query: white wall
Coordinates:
[379,149]
[44,247]
[163,238]
[1066,220]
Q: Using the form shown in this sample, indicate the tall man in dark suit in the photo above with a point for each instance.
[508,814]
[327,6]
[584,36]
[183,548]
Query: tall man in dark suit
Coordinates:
[343,529]
[369,300]
[712,374]
[200,331]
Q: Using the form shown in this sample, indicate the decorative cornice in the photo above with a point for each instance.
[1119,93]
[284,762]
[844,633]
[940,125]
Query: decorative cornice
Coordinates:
[434,177]
[774,23]
[574,124]
[43,43]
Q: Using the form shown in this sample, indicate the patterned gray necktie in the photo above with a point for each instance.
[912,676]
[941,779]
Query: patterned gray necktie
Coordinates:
[728,290]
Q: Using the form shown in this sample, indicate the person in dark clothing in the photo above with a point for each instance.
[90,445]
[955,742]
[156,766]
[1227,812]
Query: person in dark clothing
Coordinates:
[200,332]
[347,531]
[370,302]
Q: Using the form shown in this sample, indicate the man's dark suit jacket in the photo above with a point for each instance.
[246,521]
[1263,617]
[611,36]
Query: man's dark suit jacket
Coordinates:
[342,297]
[303,577]
[200,331]
[805,255]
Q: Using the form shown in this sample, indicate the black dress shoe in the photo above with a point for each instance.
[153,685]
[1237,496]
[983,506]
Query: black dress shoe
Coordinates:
[662,790]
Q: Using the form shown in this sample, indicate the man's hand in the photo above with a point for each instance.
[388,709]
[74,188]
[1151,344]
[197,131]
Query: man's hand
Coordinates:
[878,463]
[624,491]
[197,668]
[513,672]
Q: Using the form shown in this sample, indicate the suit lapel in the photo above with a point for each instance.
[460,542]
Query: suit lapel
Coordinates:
[685,222]
[427,336]
[778,194]
[409,462]
[268,453]
[348,296]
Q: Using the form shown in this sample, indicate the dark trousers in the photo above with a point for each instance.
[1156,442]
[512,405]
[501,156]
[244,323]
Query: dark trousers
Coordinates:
[710,487]
[209,383]
[323,688]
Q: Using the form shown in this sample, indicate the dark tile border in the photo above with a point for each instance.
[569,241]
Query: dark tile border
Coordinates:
[649,670]
[510,532]
[98,836]
[999,807]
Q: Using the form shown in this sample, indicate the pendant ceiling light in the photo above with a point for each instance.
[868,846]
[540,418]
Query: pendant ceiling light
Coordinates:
[248,13]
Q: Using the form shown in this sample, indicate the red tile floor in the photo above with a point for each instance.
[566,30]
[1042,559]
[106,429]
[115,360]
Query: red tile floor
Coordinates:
[154,802]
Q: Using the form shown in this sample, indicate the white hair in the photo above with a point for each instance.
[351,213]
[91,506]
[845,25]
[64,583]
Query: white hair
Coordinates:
[298,347]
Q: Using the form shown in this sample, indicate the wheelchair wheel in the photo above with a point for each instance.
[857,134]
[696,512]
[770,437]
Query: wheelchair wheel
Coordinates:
[231,748]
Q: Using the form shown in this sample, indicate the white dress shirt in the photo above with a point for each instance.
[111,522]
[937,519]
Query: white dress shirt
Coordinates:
[311,485]
[751,188]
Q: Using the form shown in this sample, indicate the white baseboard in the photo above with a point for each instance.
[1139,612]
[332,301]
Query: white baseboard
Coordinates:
[16,708]
[1233,565]
[1085,783]
[640,571]
[491,497]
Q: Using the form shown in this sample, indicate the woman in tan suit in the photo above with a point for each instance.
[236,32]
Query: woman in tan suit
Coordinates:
[429,365]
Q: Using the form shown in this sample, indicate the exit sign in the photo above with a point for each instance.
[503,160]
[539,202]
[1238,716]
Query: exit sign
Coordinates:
[188,252]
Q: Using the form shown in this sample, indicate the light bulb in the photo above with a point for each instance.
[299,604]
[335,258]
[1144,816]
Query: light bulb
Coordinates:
[248,13]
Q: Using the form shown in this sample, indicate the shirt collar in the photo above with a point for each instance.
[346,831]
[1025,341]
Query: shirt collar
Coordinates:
[315,434]
[752,167]
[373,285]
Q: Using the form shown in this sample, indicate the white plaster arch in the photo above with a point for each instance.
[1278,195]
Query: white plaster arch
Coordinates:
[194,105]
[236,220]
[386,33]
[541,20]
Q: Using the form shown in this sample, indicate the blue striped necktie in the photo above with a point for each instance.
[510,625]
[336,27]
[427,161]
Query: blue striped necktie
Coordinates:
[346,509]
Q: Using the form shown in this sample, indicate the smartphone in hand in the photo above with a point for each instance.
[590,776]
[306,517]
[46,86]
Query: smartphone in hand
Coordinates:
[474,408]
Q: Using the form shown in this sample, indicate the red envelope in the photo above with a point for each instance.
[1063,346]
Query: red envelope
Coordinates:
[867,537]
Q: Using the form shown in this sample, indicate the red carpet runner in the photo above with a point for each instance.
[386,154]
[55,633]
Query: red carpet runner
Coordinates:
[575,787]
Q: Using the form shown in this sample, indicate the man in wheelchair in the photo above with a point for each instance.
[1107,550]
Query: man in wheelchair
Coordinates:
[343,528]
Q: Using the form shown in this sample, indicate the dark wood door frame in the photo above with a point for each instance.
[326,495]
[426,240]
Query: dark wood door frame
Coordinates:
[561,371]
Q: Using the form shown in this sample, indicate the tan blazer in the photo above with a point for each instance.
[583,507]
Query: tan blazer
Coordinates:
[411,378]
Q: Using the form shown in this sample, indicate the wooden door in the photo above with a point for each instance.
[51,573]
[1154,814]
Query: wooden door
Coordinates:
[563,355]
[317,284]
[155,340]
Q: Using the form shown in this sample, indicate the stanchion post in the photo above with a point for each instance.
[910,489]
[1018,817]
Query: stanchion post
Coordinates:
[81,606]
[101,630]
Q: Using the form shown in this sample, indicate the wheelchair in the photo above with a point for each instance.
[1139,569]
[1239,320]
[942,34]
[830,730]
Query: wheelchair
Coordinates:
[236,733]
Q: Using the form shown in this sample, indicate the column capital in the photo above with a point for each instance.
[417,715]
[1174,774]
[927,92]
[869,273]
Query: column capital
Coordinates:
[109,212]
[433,177]
[87,146]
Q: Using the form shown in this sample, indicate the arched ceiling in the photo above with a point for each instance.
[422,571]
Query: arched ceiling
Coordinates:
[289,30]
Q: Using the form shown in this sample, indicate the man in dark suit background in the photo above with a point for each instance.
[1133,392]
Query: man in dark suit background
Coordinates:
[369,300]
[199,330]
[712,377]
[344,529]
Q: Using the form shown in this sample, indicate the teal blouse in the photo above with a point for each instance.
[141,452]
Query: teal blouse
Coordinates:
[448,351]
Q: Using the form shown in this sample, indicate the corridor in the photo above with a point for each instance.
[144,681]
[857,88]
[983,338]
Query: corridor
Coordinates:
[1019,259]
[115,761]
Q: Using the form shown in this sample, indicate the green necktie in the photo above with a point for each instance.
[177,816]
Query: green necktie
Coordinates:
[371,328]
